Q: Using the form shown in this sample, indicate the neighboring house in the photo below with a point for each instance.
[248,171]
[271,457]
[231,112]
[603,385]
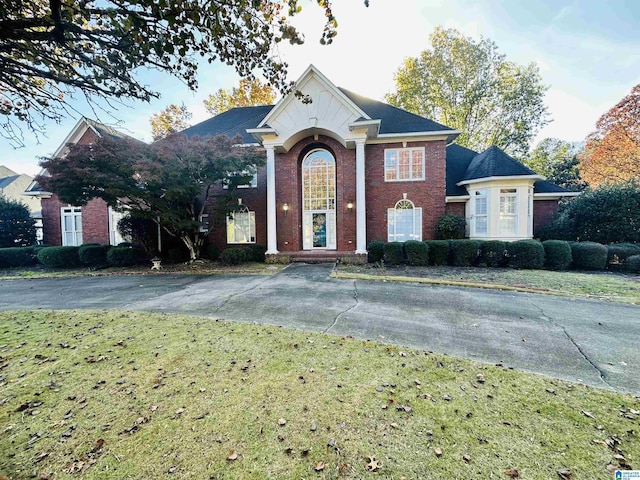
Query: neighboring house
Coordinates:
[12,186]
[65,224]
[344,170]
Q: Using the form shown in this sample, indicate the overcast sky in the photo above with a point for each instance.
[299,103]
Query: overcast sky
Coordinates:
[588,53]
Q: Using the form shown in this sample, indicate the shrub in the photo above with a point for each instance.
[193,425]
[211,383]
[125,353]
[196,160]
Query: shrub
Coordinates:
[618,253]
[464,253]
[557,254]
[212,252]
[16,257]
[451,227]
[492,253]
[632,264]
[376,251]
[59,257]
[255,253]
[93,255]
[393,253]
[17,227]
[525,254]
[589,255]
[233,256]
[126,256]
[438,251]
[417,253]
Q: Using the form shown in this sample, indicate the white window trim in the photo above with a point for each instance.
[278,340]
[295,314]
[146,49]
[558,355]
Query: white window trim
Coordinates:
[72,212]
[398,150]
[204,223]
[483,193]
[252,227]
[417,213]
[515,195]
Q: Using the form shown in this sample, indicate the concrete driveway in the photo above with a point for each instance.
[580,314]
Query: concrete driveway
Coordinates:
[593,342]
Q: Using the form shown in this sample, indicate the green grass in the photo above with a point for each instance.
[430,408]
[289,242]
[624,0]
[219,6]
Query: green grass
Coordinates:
[610,286]
[175,393]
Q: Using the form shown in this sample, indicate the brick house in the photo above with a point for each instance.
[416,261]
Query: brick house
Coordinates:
[343,170]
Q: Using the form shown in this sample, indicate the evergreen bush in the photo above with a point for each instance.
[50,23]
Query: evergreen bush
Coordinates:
[375,251]
[589,255]
[492,253]
[256,253]
[632,264]
[17,257]
[93,254]
[59,257]
[393,253]
[126,256]
[451,227]
[417,253]
[618,253]
[557,254]
[438,252]
[464,253]
[233,256]
[525,254]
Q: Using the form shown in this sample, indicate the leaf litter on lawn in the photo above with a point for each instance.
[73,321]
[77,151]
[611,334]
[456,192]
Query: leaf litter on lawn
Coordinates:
[200,398]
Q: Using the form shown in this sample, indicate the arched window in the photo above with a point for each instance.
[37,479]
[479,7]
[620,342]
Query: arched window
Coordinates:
[404,222]
[319,200]
[241,226]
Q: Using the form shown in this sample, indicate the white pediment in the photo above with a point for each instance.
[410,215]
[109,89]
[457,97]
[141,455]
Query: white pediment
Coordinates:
[329,112]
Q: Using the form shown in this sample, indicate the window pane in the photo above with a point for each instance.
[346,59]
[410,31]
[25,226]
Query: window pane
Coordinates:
[481,225]
[481,205]
[68,223]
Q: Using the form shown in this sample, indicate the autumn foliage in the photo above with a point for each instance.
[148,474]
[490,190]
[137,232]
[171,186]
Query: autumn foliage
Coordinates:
[612,153]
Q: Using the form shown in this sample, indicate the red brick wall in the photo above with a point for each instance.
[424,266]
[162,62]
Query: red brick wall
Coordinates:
[428,194]
[543,212]
[456,208]
[289,190]
[95,221]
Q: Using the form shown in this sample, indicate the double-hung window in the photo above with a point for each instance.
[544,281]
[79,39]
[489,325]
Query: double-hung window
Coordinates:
[508,211]
[480,216]
[403,164]
[241,226]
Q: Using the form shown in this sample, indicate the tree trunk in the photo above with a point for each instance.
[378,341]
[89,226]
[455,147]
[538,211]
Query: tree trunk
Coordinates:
[194,249]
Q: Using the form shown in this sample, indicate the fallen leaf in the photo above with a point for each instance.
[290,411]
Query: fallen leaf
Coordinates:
[512,472]
[173,469]
[438,452]
[313,427]
[180,411]
[282,421]
[41,457]
[587,414]
[319,466]
[233,455]
[373,464]
[154,408]
[564,473]
[551,391]
[466,458]
[393,425]
[480,378]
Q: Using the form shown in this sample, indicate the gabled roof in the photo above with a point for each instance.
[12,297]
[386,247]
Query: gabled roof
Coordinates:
[458,160]
[231,123]
[393,119]
[6,181]
[493,162]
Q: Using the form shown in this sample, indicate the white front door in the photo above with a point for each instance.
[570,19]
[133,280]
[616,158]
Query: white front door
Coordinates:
[319,201]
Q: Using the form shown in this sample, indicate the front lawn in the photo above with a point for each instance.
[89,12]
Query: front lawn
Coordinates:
[136,395]
[619,287]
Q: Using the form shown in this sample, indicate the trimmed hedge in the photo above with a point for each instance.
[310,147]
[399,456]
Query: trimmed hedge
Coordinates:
[525,254]
[375,251]
[451,227]
[255,253]
[233,256]
[59,257]
[17,257]
[618,253]
[417,253]
[589,255]
[557,254]
[633,264]
[393,253]
[438,252]
[464,253]
[126,256]
[93,254]
[492,253]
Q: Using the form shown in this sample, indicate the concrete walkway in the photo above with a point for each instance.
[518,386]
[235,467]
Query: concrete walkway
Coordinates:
[597,343]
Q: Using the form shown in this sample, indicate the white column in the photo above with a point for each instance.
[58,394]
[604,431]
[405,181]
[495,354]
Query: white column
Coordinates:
[361,208]
[272,237]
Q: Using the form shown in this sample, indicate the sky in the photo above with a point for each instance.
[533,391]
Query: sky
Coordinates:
[588,53]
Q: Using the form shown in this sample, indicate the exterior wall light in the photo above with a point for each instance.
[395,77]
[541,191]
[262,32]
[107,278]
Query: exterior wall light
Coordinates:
[285,208]
[350,206]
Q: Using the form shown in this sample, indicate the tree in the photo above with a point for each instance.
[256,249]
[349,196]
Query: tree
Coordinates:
[169,182]
[612,153]
[50,49]
[17,227]
[607,214]
[558,161]
[169,121]
[248,93]
[470,87]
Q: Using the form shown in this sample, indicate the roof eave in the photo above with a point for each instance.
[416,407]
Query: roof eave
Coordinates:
[555,195]
[500,177]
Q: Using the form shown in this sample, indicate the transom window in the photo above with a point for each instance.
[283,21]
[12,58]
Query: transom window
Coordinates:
[480,213]
[404,222]
[404,164]
[241,226]
[71,218]
[508,211]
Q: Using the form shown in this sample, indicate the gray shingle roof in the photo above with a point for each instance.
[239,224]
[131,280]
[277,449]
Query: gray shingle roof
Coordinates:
[543,186]
[458,160]
[231,123]
[393,119]
[493,162]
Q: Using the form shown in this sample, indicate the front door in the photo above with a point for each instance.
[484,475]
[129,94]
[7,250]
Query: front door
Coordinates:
[319,201]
